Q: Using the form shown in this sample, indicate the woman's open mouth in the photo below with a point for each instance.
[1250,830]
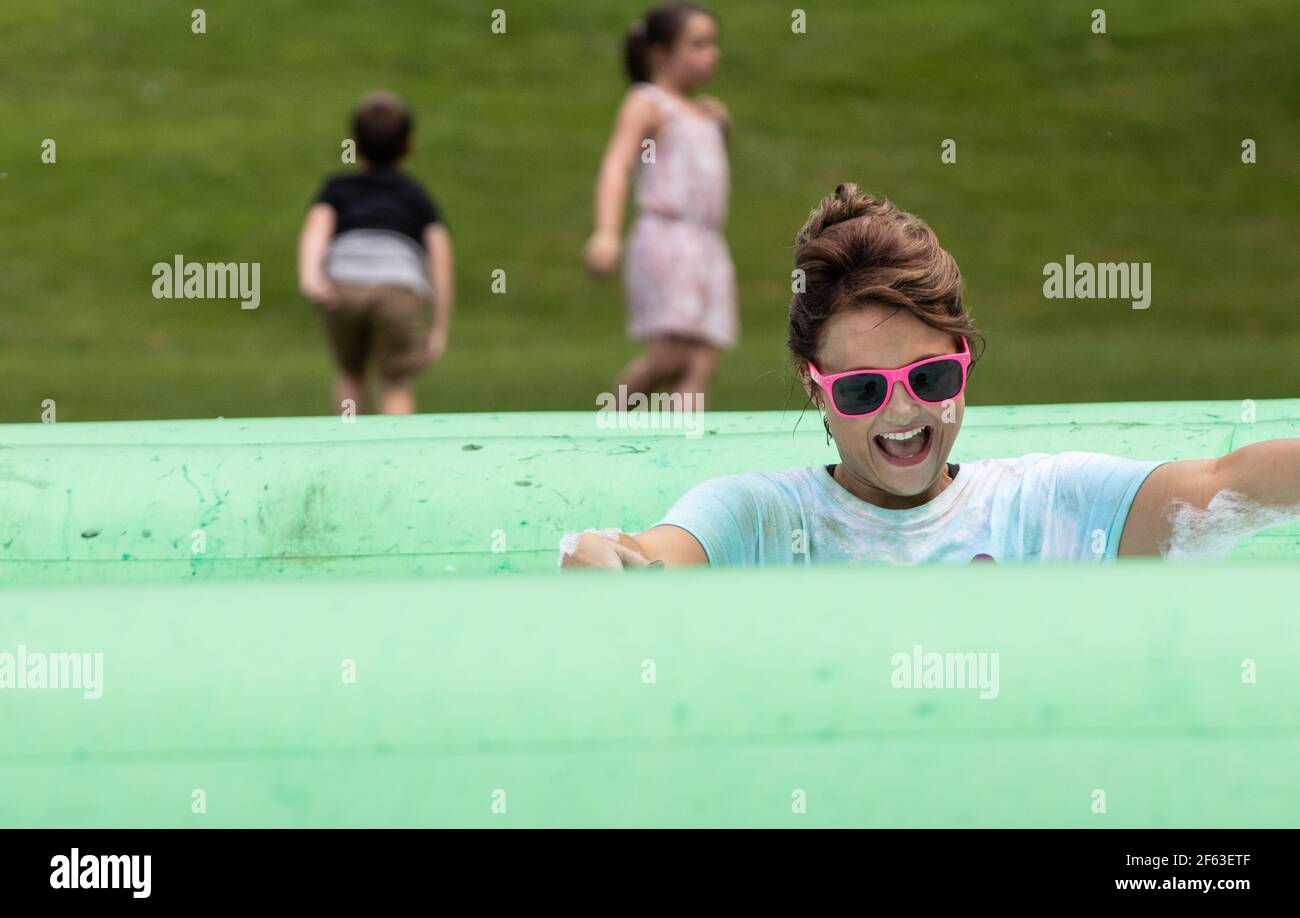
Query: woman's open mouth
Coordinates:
[907,447]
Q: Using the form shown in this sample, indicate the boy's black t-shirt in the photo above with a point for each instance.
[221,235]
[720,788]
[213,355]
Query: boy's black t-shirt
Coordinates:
[380,199]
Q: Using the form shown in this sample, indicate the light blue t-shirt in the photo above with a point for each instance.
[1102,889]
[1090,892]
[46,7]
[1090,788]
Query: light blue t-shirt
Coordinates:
[1040,506]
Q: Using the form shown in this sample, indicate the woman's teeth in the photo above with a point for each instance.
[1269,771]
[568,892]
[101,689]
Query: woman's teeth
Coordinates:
[905,444]
[904,435]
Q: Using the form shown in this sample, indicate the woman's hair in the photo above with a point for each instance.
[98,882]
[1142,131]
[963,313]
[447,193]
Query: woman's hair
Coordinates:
[857,250]
[382,125]
[662,25]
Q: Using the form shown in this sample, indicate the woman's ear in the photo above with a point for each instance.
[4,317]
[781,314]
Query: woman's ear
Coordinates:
[810,388]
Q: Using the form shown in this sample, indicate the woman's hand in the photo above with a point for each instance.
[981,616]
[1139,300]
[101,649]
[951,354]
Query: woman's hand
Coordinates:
[591,549]
[602,252]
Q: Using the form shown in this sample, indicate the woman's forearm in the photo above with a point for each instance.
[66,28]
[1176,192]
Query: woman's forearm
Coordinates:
[1266,473]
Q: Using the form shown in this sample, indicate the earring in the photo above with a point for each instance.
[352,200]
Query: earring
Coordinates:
[826,422]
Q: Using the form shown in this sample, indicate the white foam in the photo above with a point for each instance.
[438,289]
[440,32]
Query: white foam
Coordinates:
[1213,531]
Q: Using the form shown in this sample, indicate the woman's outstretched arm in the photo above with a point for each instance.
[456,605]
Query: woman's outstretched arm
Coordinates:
[673,546]
[1205,506]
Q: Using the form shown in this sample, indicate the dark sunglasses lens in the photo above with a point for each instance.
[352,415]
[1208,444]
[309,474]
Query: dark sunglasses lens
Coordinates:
[859,394]
[937,381]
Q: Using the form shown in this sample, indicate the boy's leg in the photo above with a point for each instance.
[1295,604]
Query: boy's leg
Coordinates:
[347,326]
[349,386]
[399,347]
[396,397]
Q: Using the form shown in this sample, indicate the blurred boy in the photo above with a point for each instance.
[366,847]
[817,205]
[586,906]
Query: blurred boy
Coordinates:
[372,248]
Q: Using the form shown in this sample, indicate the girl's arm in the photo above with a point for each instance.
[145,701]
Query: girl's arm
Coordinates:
[637,120]
[313,244]
[437,242]
[1257,486]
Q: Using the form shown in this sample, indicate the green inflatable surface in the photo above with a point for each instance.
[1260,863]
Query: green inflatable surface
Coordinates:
[471,493]
[315,663]
[676,698]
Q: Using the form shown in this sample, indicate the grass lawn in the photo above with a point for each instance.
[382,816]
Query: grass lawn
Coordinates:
[1122,147]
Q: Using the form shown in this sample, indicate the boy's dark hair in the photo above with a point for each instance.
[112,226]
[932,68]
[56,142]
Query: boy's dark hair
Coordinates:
[382,126]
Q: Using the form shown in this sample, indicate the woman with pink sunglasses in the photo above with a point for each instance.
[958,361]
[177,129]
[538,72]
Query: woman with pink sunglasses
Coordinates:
[881,339]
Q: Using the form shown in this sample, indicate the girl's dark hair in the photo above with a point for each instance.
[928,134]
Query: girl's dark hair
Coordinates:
[382,125]
[661,25]
[857,250]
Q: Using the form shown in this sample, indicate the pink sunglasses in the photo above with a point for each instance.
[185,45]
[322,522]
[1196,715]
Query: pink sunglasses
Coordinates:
[861,393]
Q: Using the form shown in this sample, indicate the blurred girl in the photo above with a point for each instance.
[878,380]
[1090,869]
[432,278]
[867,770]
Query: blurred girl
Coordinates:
[678,277]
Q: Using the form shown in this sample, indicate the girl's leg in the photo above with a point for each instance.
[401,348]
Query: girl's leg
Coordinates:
[664,360]
[349,385]
[396,397]
[701,364]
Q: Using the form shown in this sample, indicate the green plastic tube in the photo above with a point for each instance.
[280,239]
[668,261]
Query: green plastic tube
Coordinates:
[1143,694]
[472,493]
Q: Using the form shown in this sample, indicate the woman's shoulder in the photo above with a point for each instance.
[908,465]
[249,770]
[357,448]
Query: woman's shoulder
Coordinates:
[1072,461]
[777,477]
[760,483]
[998,472]
[739,502]
[1068,470]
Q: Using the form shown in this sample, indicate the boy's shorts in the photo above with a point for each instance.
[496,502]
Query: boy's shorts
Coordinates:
[376,324]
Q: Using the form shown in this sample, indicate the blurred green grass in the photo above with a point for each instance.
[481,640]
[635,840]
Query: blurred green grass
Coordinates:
[1117,147]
